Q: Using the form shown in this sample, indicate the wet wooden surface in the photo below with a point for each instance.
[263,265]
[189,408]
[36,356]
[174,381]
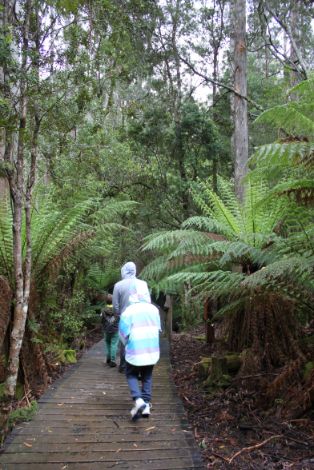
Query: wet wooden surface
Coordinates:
[83,423]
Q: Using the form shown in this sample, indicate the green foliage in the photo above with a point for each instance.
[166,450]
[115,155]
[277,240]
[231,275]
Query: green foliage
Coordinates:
[296,117]
[23,414]
[67,323]
[289,164]
[308,368]
[203,254]
[67,356]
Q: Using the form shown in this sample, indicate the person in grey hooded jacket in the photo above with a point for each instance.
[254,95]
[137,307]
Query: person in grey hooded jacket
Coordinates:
[121,294]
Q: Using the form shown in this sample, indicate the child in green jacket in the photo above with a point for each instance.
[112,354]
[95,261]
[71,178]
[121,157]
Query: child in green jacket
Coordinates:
[110,322]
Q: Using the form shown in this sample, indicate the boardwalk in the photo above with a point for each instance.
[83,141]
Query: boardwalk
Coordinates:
[84,423]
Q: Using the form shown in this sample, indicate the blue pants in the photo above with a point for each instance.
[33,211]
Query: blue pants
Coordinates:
[111,345]
[145,375]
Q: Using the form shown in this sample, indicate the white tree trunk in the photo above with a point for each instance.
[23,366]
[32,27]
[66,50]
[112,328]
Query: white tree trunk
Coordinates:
[16,181]
[240,104]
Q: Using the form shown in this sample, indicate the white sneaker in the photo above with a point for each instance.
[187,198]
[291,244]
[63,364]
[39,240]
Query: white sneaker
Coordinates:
[138,408]
[146,411]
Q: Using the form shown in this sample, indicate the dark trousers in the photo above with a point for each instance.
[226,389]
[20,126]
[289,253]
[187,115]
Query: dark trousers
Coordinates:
[144,374]
[122,356]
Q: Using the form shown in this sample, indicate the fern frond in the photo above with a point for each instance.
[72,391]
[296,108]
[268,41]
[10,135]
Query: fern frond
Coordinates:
[227,194]
[6,240]
[163,241]
[242,253]
[301,190]
[283,154]
[291,277]
[214,207]
[210,284]
[112,209]
[304,89]
[209,225]
[289,118]
[157,269]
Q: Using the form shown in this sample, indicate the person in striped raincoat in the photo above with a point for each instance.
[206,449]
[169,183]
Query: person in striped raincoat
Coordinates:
[139,329]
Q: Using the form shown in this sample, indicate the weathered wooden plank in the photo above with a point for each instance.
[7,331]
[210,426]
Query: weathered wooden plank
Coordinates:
[94,456]
[29,446]
[101,403]
[65,438]
[173,464]
[84,423]
[121,412]
[113,424]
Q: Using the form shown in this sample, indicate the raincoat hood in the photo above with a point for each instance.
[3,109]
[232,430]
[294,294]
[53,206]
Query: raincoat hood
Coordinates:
[139,293]
[128,270]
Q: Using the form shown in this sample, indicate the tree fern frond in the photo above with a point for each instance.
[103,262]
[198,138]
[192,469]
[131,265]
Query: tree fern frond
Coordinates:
[304,89]
[6,239]
[157,269]
[54,262]
[240,252]
[291,276]
[289,118]
[283,154]
[110,210]
[227,194]
[60,228]
[163,241]
[99,277]
[216,208]
[209,225]
[199,246]
[210,284]
[301,190]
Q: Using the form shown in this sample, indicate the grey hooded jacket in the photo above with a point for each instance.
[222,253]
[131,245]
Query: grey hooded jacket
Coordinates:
[121,291]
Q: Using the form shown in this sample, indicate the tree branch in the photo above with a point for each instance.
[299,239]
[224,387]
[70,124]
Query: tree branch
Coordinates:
[288,31]
[220,84]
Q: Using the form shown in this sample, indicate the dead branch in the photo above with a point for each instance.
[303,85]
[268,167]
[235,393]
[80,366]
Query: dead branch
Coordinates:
[256,446]
[219,456]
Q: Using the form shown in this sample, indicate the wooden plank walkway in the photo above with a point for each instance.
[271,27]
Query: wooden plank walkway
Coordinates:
[83,423]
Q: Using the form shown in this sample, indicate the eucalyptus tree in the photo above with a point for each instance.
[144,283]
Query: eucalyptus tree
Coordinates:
[240,139]
[21,65]
[285,27]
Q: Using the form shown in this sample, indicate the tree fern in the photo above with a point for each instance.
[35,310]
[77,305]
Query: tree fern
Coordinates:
[203,252]
[291,160]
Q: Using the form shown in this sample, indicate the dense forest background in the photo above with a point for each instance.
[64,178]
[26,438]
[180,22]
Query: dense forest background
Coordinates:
[176,134]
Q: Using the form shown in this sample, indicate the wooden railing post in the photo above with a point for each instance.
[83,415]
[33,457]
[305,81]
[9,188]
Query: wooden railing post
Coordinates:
[169,312]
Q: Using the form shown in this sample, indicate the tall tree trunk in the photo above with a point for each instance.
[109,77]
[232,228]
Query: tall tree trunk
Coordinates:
[239,103]
[177,112]
[295,76]
[16,181]
[215,77]
[5,20]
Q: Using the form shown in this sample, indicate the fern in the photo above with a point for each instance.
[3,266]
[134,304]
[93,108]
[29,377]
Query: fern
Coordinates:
[291,161]
[6,240]
[202,253]
[290,118]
